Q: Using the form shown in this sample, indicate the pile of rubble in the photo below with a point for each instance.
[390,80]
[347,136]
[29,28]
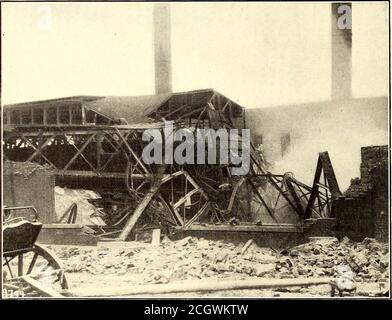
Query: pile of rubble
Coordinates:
[192,258]
[369,260]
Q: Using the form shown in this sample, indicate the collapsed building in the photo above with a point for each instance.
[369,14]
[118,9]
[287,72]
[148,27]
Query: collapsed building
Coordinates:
[79,161]
[96,143]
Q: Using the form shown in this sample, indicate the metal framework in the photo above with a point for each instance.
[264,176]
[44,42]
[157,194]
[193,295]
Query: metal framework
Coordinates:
[173,195]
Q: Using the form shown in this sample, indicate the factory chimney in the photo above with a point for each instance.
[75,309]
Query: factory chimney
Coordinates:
[341,30]
[162,48]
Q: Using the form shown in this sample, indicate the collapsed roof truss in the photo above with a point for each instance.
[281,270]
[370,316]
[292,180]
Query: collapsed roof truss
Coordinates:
[180,194]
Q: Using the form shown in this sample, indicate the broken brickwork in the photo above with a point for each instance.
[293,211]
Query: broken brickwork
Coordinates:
[362,211]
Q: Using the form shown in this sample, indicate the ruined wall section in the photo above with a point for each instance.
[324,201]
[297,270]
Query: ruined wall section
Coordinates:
[380,199]
[362,211]
[29,184]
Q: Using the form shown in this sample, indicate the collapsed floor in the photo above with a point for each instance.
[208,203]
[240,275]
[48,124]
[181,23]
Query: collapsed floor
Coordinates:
[197,259]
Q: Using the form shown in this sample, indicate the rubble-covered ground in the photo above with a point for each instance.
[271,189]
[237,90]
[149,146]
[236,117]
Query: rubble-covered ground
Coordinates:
[194,259]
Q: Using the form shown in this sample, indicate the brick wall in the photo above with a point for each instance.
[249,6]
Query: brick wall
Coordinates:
[354,218]
[320,227]
[262,239]
[379,178]
[362,211]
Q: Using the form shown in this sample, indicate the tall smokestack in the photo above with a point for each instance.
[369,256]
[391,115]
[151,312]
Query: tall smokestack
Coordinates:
[341,30]
[162,48]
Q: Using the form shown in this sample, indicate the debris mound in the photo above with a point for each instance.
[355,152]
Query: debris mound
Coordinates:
[198,258]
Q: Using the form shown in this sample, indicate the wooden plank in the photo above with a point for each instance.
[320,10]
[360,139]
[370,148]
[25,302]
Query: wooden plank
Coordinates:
[139,211]
[175,110]
[116,149]
[91,174]
[38,151]
[297,201]
[185,198]
[197,215]
[226,105]
[274,183]
[329,174]
[85,159]
[234,193]
[66,212]
[132,152]
[313,194]
[194,183]
[79,151]
[201,286]
[35,148]
[171,176]
[43,290]
[171,209]
[186,115]
[246,246]
[280,228]
[199,117]
[212,116]
[156,237]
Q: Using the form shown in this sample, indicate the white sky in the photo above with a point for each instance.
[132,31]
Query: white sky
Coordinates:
[259,54]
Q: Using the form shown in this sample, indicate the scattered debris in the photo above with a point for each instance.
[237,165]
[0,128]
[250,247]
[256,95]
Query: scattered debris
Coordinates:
[193,258]
[246,246]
